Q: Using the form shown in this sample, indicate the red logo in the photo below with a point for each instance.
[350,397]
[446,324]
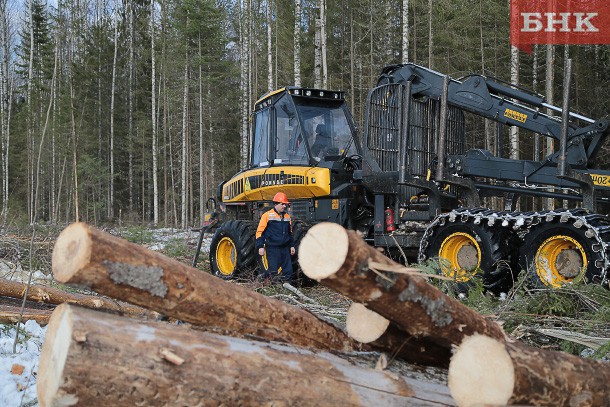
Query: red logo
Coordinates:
[559,22]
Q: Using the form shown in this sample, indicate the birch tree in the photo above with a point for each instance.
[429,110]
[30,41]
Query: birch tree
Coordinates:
[5,98]
[184,155]
[244,83]
[269,50]
[153,116]
[405,31]
[112,110]
[297,42]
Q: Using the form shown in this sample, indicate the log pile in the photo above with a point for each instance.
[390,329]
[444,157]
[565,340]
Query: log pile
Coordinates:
[257,350]
[260,351]
[486,369]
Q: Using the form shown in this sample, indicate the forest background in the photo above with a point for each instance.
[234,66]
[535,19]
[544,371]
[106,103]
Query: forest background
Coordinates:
[134,111]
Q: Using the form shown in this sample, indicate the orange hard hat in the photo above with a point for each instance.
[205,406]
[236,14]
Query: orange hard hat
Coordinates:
[281,198]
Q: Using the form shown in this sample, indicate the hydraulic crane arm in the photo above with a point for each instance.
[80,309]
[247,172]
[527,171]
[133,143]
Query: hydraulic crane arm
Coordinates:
[502,103]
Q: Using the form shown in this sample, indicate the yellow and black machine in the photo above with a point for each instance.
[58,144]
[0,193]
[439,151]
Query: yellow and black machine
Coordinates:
[303,144]
[415,184]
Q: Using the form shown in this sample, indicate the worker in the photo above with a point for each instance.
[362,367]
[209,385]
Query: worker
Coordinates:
[322,141]
[274,237]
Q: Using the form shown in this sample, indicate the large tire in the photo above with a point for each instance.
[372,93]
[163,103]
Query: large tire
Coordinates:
[556,253]
[299,230]
[232,249]
[466,250]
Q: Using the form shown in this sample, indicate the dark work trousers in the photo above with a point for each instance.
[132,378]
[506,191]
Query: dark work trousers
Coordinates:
[279,257]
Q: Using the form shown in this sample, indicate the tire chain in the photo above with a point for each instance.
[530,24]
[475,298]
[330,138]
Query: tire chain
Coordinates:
[597,225]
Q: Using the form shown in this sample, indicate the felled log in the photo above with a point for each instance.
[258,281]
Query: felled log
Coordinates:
[367,326]
[51,295]
[406,299]
[485,371]
[114,267]
[91,358]
[10,315]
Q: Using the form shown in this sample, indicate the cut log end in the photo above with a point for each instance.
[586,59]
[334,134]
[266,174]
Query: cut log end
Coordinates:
[314,248]
[481,372]
[53,359]
[71,252]
[365,325]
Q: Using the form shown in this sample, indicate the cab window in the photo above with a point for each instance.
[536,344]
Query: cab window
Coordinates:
[289,145]
[260,138]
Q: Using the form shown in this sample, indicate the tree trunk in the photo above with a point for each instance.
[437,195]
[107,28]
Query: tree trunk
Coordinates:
[130,99]
[408,300]
[297,42]
[484,371]
[153,116]
[514,79]
[244,82]
[126,271]
[112,105]
[549,96]
[269,51]
[367,326]
[430,38]
[157,364]
[317,64]
[323,43]
[405,31]
[184,156]
[5,114]
[50,295]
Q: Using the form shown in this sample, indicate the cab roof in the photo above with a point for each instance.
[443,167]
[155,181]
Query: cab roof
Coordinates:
[270,97]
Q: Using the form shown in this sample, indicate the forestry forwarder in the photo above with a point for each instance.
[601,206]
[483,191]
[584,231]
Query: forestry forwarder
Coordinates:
[414,188]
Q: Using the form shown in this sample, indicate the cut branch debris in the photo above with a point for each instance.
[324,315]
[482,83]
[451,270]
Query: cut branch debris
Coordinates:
[55,296]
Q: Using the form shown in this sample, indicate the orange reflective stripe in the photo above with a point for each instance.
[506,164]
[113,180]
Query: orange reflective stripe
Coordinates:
[262,225]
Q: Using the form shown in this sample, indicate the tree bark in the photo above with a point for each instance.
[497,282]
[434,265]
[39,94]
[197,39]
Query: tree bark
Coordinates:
[51,295]
[269,49]
[112,105]
[297,42]
[484,371]
[143,364]
[408,300]
[405,31]
[153,116]
[126,271]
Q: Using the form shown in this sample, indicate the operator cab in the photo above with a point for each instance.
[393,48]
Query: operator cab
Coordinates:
[299,126]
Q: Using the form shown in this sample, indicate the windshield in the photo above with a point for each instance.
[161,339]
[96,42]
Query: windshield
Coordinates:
[325,127]
[290,148]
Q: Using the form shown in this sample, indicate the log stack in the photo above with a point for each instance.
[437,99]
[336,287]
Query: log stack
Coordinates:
[486,369]
[257,350]
[261,351]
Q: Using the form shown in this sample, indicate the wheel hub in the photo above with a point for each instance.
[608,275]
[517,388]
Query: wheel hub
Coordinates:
[569,263]
[559,260]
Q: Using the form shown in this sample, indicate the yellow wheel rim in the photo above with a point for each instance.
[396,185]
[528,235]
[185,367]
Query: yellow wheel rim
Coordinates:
[460,256]
[226,256]
[559,260]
